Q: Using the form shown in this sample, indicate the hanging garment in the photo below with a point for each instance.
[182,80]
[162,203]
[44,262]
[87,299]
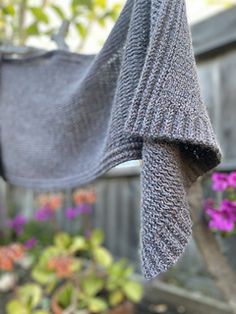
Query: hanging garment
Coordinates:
[67,118]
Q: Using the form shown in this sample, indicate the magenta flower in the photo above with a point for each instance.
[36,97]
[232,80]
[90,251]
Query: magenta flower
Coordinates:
[232,179]
[29,244]
[71,213]
[220,181]
[44,213]
[208,203]
[224,218]
[84,208]
[17,223]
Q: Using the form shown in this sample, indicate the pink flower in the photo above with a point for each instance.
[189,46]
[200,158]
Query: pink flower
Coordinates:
[29,244]
[17,223]
[45,213]
[224,218]
[71,213]
[232,179]
[85,208]
[220,181]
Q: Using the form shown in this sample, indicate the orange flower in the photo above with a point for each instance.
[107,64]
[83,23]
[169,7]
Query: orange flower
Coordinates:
[42,200]
[6,263]
[81,196]
[9,255]
[54,201]
[62,265]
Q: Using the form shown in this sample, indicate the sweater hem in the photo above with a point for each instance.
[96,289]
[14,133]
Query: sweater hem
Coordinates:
[124,154]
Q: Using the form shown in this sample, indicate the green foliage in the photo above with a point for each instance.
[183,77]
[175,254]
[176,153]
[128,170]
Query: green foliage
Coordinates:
[102,256]
[29,297]
[77,271]
[22,19]
[65,296]
[92,285]
[225,3]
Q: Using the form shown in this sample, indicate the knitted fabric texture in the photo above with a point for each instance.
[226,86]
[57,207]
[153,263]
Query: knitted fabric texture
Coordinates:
[67,118]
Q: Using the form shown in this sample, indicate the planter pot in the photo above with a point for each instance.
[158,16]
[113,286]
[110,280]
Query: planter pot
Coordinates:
[125,308]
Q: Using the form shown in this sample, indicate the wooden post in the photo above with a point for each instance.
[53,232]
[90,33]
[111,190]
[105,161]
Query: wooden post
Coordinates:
[209,248]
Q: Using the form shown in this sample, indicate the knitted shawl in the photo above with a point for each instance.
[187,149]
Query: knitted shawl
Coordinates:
[67,118]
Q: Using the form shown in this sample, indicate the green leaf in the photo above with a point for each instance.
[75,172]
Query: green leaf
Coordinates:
[30,294]
[101,3]
[102,22]
[16,307]
[91,285]
[62,240]
[86,3]
[33,29]
[40,15]
[133,291]
[81,29]
[58,11]
[43,277]
[78,244]
[120,269]
[102,256]
[41,312]
[9,10]
[116,297]
[97,305]
[97,237]
[65,296]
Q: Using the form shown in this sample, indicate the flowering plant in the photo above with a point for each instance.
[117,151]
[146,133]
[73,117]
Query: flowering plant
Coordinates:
[79,274]
[222,214]
[47,270]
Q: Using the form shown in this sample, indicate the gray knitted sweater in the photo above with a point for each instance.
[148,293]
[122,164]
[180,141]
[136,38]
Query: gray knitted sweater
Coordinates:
[66,119]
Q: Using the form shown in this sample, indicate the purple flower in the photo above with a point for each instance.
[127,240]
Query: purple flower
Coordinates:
[224,218]
[71,213]
[44,213]
[220,181]
[17,223]
[208,203]
[232,179]
[84,208]
[29,244]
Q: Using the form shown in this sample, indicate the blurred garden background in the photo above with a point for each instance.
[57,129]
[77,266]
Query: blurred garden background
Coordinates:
[77,251]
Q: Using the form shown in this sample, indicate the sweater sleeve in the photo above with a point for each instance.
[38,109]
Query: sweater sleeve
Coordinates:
[179,143]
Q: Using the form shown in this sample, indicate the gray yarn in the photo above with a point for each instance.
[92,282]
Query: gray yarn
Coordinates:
[68,118]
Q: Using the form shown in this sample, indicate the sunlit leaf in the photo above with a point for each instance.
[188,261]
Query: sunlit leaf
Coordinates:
[65,296]
[16,307]
[91,285]
[133,291]
[103,256]
[39,14]
[97,237]
[116,297]
[97,305]
[30,294]
[32,29]
[81,29]
[9,10]
[78,244]
[62,240]
[58,11]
